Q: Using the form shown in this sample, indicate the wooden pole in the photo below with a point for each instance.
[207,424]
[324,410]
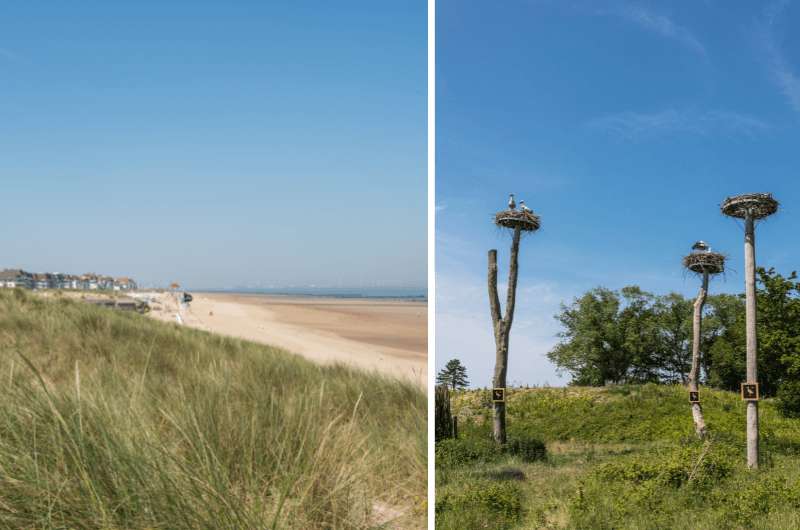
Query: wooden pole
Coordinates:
[750,317]
[697,411]
[499,420]
[502,329]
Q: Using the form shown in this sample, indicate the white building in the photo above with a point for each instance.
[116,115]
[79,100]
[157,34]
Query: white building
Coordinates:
[11,278]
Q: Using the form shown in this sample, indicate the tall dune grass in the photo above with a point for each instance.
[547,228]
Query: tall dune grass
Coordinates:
[114,420]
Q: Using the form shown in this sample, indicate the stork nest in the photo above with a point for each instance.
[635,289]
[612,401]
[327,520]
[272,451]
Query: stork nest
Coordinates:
[526,221]
[757,205]
[702,262]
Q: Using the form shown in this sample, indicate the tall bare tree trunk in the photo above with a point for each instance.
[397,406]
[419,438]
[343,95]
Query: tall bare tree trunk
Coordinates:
[752,344]
[502,328]
[697,411]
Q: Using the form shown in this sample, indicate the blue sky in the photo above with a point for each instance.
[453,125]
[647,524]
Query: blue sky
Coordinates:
[216,143]
[624,125]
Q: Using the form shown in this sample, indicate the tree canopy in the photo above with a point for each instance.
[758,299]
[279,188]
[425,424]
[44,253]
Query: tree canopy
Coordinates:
[454,375]
[632,336]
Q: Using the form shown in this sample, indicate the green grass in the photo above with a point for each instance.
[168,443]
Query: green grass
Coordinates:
[619,458]
[113,420]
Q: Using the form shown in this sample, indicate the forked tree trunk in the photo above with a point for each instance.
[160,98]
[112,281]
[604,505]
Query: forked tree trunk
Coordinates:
[502,328]
[697,411]
[750,328]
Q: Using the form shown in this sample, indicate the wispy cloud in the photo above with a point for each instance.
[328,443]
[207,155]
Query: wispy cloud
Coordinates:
[635,126]
[661,25]
[645,18]
[781,72]
[441,207]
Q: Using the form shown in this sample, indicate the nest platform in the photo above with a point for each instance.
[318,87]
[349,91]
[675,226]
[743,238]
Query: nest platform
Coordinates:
[702,262]
[758,205]
[526,221]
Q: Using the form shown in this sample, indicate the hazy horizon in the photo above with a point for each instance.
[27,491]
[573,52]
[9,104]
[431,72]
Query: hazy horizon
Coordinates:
[239,286]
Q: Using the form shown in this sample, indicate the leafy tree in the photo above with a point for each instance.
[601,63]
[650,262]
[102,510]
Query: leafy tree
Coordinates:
[673,341]
[591,343]
[454,375]
[608,337]
[633,336]
[778,329]
[639,327]
[789,398]
[722,354]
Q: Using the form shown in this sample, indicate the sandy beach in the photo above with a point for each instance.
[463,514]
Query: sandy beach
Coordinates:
[389,336]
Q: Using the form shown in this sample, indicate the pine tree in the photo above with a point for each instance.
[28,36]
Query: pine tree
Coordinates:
[454,375]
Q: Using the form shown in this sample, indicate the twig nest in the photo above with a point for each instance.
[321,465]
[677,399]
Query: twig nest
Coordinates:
[526,221]
[758,205]
[701,262]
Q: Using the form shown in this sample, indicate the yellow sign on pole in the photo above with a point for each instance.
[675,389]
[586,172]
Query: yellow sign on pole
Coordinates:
[750,392]
[499,395]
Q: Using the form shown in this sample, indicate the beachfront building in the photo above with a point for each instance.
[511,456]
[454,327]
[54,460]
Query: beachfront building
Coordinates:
[89,282]
[124,284]
[39,281]
[12,278]
[68,281]
[43,280]
[64,281]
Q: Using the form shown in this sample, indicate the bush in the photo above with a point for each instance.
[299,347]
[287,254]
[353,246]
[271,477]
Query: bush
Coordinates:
[788,399]
[491,504]
[527,449]
[461,451]
[701,465]
[754,497]
[653,484]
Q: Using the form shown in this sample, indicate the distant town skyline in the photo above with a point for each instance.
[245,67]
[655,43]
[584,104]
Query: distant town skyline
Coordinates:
[240,286]
[216,144]
[19,278]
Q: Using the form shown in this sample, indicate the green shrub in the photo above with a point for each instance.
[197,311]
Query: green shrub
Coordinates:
[626,458]
[788,399]
[459,452]
[654,484]
[699,464]
[491,504]
[526,448]
[754,496]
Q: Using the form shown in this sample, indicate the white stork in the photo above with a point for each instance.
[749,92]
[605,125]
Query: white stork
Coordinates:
[524,208]
[511,203]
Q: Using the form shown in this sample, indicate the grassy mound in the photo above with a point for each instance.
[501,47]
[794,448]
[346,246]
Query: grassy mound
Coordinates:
[618,458]
[114,420]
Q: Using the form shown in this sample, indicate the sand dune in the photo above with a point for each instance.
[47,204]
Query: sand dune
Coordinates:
[389,336]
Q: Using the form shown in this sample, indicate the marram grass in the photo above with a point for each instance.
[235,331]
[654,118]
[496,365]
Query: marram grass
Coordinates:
[112,420]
